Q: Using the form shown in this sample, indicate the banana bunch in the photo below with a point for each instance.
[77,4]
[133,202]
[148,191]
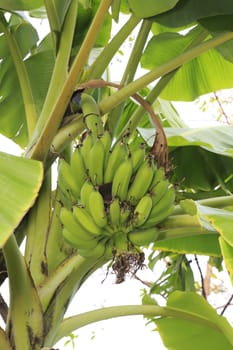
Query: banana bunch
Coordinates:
[118,195]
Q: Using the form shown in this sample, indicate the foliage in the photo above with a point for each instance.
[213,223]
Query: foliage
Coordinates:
[187,52]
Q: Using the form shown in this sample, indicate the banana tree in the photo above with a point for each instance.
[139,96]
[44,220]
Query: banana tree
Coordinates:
[131,175]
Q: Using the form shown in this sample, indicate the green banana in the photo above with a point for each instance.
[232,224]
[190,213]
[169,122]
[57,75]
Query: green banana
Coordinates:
[125,215]
[98,251]
[97,209]
[142,210]
[73,226]
[116,156]
[96,162]
[121,180]
[86,190]
[162,209]
[77,242]
[67,181]
[86,220]
[137,157]
[141,182]
[78,168]
[143,237]
[158,191]
[86,146]
[158,176]
[114,213]
[91,114]
[106,140]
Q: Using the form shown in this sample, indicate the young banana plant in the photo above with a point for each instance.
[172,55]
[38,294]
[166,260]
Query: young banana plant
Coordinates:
[111,199]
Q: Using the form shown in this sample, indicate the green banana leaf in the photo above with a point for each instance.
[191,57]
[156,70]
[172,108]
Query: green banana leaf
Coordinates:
[39,67]
[208,72]
[149,8]
[12,119]
[20,181]
[227,253]
[59,12]
[217,23]
[177,275]
[216,139]
[188,11]
[220,219]
[55,11]
[191,243]
[201,158]
[20,5]
[207,331]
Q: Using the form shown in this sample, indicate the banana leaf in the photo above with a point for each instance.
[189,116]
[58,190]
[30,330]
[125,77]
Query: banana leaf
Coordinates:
[20,5]
[38,61]
[201,158]
[208,72]
[188,11]
[20,181]
[208,331]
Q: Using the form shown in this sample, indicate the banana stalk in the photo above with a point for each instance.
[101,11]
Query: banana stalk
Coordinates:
[25,326]
[56,249]
[4,342]
[38,224]
[57,291]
